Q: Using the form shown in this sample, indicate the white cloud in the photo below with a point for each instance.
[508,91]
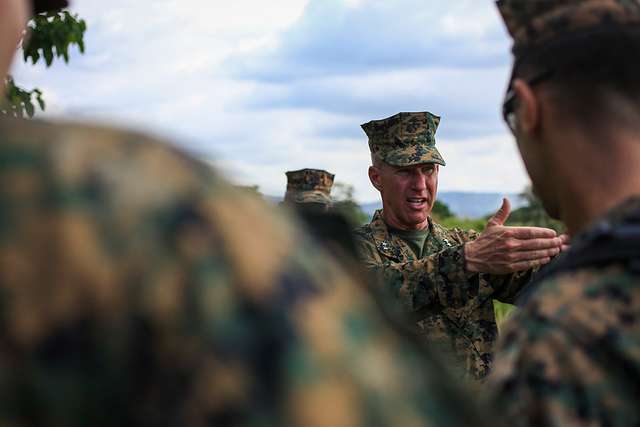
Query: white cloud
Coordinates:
[172,67]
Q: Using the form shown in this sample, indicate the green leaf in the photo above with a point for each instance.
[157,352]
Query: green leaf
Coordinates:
[51,36]
[28,106]
[48,55]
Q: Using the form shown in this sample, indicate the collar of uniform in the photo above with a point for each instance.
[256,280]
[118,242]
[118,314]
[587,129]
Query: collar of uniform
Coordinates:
[625,212]
[389,245]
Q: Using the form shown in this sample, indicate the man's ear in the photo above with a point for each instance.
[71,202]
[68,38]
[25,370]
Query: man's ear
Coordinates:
[375,178]
[528,108]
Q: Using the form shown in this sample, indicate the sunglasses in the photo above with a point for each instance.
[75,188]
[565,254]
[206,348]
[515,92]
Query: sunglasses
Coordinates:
[509,103]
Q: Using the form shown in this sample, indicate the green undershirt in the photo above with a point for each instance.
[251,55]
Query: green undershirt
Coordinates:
[414,238]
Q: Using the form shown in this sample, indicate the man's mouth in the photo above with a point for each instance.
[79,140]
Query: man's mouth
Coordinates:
[417,202]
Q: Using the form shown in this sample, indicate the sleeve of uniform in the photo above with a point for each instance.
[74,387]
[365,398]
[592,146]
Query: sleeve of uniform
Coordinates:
[439,279]
[508,286]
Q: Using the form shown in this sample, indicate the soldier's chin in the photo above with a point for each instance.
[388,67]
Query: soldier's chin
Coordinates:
[416,218]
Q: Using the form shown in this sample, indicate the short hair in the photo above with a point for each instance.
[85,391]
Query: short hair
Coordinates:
[376,161]
[596,75]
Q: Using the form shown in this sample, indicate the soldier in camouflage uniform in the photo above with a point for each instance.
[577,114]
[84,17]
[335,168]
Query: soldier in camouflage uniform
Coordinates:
[445,278]
[309,187]
[571,356]
[138,288]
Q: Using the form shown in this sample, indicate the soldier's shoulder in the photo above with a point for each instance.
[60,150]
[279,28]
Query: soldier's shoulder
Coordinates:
[45,131]
[68,140]
[590,300]
[585,316]
[363,232]
[136,165]
[588,283]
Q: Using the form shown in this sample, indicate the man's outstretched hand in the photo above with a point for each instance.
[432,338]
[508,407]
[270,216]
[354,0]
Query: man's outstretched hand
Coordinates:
[500,249]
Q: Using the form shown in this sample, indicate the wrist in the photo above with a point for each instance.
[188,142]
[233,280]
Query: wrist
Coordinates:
[470,266]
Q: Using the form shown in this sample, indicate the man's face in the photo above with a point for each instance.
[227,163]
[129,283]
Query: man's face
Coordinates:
[408,193]
[534,148]
[538,170]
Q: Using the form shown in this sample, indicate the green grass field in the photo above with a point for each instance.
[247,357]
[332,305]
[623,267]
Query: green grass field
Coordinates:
[503,312]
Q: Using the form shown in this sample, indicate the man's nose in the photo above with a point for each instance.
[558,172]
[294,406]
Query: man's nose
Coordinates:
[419,181]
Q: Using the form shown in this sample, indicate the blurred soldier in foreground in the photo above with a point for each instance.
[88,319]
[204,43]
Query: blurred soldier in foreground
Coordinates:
[446,279]
[571,356]
[138,288]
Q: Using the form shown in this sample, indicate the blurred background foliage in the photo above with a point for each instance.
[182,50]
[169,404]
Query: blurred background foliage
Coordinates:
[345,203]
[49,36]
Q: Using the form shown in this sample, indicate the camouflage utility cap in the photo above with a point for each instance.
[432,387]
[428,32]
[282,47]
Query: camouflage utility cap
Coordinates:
[40,6]
[532,23]
[309,186]
[405,139]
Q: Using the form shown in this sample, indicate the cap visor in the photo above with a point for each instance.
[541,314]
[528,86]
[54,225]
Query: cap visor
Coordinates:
[414,156]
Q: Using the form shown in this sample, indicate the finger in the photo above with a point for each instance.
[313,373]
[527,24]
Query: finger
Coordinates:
[531,232]
[565,238]
[533,255]
[526,265]
[501,215]
[536,244]
[565,248]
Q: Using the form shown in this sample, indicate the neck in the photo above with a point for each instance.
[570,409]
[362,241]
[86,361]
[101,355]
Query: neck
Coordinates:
[600,180]
[393,222]
[579,216]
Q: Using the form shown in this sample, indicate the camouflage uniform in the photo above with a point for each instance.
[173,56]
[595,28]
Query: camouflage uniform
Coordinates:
[129,296]
[571,356]
[452,309]
[309,186]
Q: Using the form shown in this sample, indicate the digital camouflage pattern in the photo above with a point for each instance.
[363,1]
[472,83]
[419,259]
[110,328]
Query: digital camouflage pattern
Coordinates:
[532,23]
[571,356]
[309,186]
[405,139]
[452,309]
[129,296]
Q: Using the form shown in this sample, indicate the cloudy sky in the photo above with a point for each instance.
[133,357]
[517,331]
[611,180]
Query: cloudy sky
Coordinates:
[261,87]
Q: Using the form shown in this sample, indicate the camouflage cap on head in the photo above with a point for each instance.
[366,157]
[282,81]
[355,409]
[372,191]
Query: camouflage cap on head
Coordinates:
[309,186]
[533,23]
[405,139]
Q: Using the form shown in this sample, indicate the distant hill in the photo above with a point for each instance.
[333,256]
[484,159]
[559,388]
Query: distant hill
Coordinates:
[462,204]
[466,205]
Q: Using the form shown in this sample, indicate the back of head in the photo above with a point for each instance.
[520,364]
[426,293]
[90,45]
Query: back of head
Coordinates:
[587,49]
